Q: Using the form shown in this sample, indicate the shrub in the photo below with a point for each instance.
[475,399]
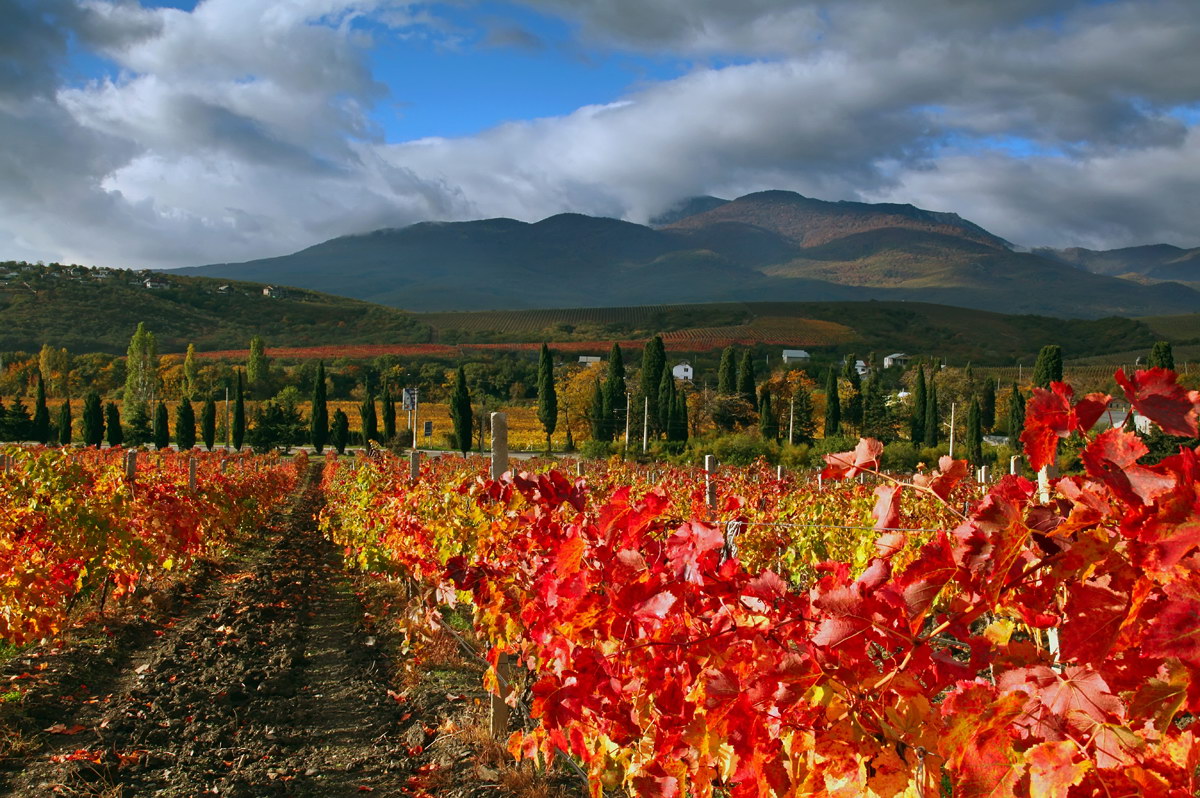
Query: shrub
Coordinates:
[593,449]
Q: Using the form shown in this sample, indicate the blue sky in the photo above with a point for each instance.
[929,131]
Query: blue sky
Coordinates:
[137,133]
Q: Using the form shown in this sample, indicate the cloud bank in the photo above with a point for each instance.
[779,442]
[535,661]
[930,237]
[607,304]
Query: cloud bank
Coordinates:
[246,128]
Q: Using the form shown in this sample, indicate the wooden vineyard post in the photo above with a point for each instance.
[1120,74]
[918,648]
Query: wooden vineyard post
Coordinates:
[414,465]
[131,465]
[192,474]
[498,719]
[710,483]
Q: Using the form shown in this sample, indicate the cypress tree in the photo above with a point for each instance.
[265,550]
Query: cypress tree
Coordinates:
[727,373]
[318,421]
[64,423]
[854,402]
[162,429]
[339,431]
[40,429]
[615,401]
[987,404]
[93,420]
[875,413]
[388,409]
[654,363]
[368,420]
[1016,417]
[1162,356]
[746,378]
[679,419]
[768,425]
[804,426]
[112,424]
[547,396]
[460,411]
[5,422]
[975,433]
[1049,366]
[256,364]
[596,414]
[666,401]
[932,419]
[185,425]
[920,399]
[833,405]
[239,414]
[208,423]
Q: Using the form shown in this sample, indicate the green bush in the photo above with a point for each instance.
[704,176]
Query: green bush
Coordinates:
[901,456]
[797,456]
[740,449]
[595,450]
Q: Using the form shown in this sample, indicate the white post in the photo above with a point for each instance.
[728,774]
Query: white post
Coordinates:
[952,429]
[792,418]
[1045,476]
[646,424]
[578,468]
[779,473]
[1012,464]
[499,444]
[710,484]
[627,397]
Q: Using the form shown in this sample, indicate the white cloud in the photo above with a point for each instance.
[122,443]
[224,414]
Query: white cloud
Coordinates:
[244,128]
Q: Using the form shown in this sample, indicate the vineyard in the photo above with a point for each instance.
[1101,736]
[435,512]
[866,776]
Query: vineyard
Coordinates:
[779,639]
[646,630]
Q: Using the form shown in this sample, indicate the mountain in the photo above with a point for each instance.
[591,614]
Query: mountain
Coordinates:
[1154,262]
[96,310]
[767,246]
[685,208]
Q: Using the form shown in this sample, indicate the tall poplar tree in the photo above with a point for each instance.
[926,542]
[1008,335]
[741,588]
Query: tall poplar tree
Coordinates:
[239,413]
[920,398]
[460,411]
[875,412]
[191,376]
[318,420]
[93,420]
[987,404]
[141,372]
[666,401]
[40,428]
[833,405]
[112,424]
[185,425]
[1049,366]
[208,423]
[803,425]
[727,373]
[256,364]
[547,395]
[596,414]
[339,431]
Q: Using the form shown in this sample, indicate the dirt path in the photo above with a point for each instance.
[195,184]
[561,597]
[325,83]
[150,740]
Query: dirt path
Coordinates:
[267,684]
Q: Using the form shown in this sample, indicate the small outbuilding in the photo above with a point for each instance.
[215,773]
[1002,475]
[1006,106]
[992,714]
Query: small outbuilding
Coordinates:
[796,356]
[683,371]
[896,359]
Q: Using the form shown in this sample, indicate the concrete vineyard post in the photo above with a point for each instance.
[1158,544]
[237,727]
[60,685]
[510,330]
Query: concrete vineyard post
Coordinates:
[1012,464]
[414,465]
[710,483]
[498,721]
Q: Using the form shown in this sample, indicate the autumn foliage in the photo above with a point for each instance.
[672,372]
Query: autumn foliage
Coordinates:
[1029,647]
[72,524]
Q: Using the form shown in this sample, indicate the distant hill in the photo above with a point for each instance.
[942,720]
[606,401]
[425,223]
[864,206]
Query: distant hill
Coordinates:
[1154,262]
[772,245]
[97,310]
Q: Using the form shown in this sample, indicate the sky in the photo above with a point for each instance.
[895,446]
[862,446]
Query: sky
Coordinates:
[148,134]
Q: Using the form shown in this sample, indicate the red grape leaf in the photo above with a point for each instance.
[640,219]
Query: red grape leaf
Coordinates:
[1048,417]
[865,457]
[692,548]
[887,506]
[1054,768]
[1157,396]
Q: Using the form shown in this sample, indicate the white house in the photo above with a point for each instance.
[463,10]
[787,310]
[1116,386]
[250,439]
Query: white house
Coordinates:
[897,359]
[155,283]
[683,371]
[223,289]
[796,356]
[272,291]
[860,366]
[588,359]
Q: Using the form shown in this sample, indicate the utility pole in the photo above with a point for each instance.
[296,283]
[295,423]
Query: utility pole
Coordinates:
[627,398]
[792,418]
[952,405]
